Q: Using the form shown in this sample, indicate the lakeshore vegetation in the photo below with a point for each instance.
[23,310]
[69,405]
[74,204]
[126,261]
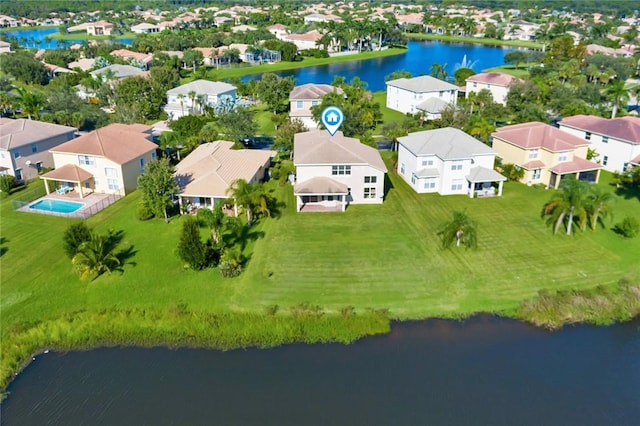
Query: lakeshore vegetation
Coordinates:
[310,277]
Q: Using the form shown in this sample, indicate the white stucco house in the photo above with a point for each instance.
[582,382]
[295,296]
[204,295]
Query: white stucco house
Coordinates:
[334,171]
[615,140]
[448,161]
[497,83]
[108,160]
[409,95]
[303,97]
[191,98]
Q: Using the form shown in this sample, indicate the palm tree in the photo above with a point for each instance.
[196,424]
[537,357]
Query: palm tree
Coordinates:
[252,196]
[460,229]
[192,95]
[31,102]
[618,93]
[439,71]
[215,219]
[599,206]
[96,256]
[181,100]
[567,204]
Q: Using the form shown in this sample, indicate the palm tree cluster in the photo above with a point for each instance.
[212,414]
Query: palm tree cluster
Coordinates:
[577,202]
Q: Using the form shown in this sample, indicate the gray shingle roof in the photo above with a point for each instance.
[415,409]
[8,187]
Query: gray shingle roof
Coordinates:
[312,91]
[432,105]
[447,144]
[422,84]
[202,87]
[482,174]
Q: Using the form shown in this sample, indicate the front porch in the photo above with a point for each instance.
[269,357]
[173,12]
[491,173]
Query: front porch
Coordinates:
[191,204]
[69,179]
[583,170]
[484,182]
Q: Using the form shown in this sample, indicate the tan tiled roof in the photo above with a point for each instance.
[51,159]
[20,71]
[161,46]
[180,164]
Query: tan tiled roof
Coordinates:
[68,173]
[623,128]
[320,185]
[310,36]
[311,91]
[539,135]
[128,54]
[535,164]
[119,143]
[212,167]
[20,132]
[318,147]
[496,78]
[577,165]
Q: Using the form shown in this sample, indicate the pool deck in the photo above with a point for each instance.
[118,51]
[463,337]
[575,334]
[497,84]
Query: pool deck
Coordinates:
[93,203]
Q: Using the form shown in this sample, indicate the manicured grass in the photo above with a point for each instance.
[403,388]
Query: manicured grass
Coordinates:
[476,40]
[388,115]
[382,257]
[520,72]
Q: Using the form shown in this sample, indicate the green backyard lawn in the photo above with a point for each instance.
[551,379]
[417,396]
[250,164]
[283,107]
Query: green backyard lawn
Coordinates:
[385,256]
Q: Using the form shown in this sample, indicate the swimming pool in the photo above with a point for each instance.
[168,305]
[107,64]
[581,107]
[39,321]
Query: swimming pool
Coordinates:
[56,206]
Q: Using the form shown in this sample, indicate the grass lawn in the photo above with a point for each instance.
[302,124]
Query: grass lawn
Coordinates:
[388,115]
[520,72]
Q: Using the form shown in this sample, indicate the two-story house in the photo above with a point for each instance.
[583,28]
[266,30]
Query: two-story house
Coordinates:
[546,153]
[412,95]
[108,160]
[448,161]
[333,171]
[25,145]
[497,83]
[303,97]
[192,98]
[616,141]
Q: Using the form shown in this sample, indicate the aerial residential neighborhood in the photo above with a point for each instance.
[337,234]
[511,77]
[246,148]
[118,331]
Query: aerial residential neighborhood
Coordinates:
[222,176]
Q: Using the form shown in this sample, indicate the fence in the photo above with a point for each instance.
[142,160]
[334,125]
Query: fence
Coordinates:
[28,195]
[83,213]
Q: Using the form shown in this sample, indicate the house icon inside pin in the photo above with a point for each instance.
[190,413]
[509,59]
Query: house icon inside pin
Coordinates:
[332,118]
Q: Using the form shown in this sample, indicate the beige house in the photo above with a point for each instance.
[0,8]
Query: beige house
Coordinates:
[497,83]
[333,171]
[205,175]
[25,145]
[93,28]
[108,160]
[546,153]
[303,97]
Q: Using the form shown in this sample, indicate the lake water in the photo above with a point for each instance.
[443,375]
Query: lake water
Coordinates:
[483,371]
[37,38]
[418,59]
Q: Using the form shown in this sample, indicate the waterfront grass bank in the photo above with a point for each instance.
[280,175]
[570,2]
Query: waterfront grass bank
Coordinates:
[475,40]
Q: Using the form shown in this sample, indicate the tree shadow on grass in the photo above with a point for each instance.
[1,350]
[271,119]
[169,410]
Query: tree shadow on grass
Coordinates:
[3,249]
[628,193]
[124,256]
[247,234]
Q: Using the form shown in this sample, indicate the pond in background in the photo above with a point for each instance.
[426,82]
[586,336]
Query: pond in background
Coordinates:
[38,38]
[482,371]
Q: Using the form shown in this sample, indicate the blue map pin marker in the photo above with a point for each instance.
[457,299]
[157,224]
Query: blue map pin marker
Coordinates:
[332,118]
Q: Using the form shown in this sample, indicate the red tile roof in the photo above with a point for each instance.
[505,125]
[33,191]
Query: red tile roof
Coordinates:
[623,128]
[535,164]
[496,78]
[577,165]
[539,135]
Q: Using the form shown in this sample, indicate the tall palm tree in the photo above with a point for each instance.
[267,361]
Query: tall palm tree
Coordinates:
[460,229]
[31,102]
[568,204]
[618,93]
[439,71]
[599,206]
[96,256]
[192,96]
[181,100]
[216,220]
[252,197]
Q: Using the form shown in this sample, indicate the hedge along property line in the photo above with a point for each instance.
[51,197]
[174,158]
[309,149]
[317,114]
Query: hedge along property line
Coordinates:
[178,327]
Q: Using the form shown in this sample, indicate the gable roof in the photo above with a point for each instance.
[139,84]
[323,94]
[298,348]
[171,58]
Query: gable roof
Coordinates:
[432,105]
[202,87]
[211,168]
[447,144]
[68,172]
[539,135]
[312,91]
[495,78]
[623,128]
[21,132]
[424,83]
[318,147]
[120,71]
[117,142]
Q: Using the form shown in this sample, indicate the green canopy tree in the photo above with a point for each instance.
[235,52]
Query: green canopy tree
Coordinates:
[461,230]
[158,186]
[618,93]
[274,91]
[191,250]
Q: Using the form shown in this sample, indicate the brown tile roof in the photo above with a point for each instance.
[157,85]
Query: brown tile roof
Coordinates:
[318,147]
[311,91]
[623,128]
[68,173]
[128,54]
[539,135]
[535,164]
[310,36]
[496,78]
[577,165]
[212,167]
[119,143]
[21,132]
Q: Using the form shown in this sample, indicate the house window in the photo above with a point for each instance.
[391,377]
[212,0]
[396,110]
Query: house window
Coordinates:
[18,174]
[141,165]
[564,156]
[369,193]
[34,148]
[536,174]
[86,160]
[39,166]
[427,163]
[430,183]
[475,84]
[16,154]
[605,160]
[456,165]
[340,170]
[370,179]
[441,94]
[456,185]
[113,184]
[402,168]
[153,155]
[110,172]
[605,139]
[587,136]
[533,154]
[413,178]
[299,104]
